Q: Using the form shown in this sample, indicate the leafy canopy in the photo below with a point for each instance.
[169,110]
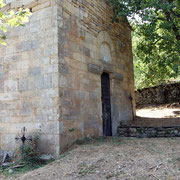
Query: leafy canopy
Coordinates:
[11,19]
[156,37]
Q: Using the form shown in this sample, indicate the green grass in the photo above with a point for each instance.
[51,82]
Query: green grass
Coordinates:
[25,168]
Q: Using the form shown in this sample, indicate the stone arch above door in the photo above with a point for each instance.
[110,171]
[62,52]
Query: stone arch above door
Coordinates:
[105,44]
[105,52]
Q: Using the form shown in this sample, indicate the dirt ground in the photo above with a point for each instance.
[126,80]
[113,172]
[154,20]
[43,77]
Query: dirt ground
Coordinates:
[115,159]
[159,112]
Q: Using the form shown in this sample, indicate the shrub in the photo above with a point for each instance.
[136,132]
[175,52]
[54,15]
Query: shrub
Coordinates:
[28,152]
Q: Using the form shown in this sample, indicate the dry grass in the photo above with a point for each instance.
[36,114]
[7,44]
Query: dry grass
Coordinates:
[115,158]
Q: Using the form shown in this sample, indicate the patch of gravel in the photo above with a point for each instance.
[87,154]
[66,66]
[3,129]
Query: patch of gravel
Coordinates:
[115,159]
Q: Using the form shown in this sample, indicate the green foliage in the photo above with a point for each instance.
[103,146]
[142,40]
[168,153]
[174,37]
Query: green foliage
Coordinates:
[153,64]
[156,38]
[11,19]
[21,170]
[28,153]
[139,130]
[25,159]
[71,130]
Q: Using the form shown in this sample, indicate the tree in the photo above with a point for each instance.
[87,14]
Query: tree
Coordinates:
[152,66]
[11,19]
[156,37]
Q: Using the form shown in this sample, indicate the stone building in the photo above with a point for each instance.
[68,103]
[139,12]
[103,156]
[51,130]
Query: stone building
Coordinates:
[67,74]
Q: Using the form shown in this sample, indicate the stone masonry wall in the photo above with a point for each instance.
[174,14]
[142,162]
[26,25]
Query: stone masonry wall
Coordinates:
[83,26]
[149,132]
[29,78]
[50,73]
[162,94]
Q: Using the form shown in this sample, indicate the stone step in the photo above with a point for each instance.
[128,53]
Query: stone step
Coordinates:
[149,132]
[155,122]
[151,127]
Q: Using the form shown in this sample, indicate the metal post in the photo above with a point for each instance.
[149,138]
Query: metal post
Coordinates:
[131,99]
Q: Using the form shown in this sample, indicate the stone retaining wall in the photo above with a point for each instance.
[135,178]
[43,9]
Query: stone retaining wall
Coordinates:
[162,94]
[149,132]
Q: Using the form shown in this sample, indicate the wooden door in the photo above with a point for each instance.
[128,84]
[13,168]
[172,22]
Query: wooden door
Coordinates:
[106,105]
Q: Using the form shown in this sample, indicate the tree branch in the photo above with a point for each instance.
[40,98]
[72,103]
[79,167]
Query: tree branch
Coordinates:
[174,28]
[175,14]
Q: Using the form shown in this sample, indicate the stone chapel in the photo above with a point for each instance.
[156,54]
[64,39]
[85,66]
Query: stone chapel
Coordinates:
[67,74]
